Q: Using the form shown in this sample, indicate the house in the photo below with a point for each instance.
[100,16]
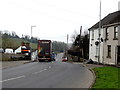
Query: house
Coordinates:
[106,49]
[8,50]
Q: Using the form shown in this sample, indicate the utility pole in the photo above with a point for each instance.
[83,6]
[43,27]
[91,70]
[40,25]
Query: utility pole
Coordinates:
[99,33]
[67,46]
[31,30]
[31,36]
[79,43]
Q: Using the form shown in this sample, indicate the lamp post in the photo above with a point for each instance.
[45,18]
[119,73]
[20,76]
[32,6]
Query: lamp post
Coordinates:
[31,34]
[31,30]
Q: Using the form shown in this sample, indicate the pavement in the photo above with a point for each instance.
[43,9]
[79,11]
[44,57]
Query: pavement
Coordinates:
[91,66]
[7,64]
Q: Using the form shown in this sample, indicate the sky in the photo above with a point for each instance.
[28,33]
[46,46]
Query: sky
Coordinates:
[53,19]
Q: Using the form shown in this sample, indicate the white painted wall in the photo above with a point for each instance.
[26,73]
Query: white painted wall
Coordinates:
[92,47]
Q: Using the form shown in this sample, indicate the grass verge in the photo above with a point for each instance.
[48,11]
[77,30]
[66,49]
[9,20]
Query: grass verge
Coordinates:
[107,77]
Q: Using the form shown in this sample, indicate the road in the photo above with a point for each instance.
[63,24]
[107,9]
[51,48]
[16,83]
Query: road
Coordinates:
[56,74]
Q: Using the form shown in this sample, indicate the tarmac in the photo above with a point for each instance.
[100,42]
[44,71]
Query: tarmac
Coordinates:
[8,64]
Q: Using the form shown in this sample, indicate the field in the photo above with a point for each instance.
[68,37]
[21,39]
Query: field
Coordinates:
[14,43]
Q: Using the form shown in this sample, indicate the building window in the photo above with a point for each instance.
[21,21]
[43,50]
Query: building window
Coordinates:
[97,50]
[109,51]
[92,34]
[116,32]
[106,33]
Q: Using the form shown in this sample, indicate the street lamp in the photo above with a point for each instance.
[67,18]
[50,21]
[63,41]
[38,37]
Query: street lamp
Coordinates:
[31,31]
[31,34]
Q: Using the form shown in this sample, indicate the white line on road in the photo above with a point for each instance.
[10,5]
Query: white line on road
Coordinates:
[13,78]
[39,71]
[49,67]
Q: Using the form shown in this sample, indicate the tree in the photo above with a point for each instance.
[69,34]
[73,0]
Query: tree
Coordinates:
[83,49]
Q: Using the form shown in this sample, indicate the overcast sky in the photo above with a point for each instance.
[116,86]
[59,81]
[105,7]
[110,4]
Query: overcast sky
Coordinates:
[54,19]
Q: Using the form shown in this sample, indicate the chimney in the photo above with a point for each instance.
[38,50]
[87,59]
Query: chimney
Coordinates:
[119,6]
[22,43]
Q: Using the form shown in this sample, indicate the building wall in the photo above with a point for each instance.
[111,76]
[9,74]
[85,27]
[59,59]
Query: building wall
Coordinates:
[119,35]
[93,50]
[113,43]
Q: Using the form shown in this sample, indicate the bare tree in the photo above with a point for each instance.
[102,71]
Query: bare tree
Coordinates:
[73,37]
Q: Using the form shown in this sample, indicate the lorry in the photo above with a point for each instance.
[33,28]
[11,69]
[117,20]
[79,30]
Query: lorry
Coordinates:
[45,50]
[24,50]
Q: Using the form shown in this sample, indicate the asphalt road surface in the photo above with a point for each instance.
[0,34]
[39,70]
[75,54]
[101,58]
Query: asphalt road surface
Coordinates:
[56,74]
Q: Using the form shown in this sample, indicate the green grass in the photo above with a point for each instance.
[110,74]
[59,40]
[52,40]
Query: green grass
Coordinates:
[18,42]
[107,77]
[15,43]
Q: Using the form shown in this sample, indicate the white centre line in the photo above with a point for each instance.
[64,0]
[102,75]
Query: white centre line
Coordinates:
[49,67]
[39,71]
[13,78]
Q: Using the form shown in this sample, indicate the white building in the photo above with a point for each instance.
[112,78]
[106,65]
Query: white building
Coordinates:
[8,50]
[109,52]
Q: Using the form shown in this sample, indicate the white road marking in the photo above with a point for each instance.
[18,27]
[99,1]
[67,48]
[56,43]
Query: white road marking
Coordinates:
[13,78]
[44,69]
[49,67]
[39,71]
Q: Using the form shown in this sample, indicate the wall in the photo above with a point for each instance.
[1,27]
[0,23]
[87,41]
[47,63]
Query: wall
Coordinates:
[113,44]
[93,53]
[119,35]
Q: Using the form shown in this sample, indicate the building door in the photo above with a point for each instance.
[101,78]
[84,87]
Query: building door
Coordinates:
[118,55]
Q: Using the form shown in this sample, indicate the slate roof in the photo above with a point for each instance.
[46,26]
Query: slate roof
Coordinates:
[109,19]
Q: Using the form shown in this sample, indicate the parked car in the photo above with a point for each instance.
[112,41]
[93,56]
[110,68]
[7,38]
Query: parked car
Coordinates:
[1,50]
[64,59]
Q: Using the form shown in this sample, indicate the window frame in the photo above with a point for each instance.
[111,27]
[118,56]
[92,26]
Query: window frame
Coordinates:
[115,33]
[106,33]
[92,34]
[109,51]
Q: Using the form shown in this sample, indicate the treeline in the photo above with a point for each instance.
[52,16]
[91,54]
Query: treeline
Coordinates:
[80,47]
[58,46]
[12,40]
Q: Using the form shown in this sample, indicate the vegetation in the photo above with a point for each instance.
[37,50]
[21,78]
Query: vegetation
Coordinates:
[12,40]
[80,47]
[107,77]
[58,46]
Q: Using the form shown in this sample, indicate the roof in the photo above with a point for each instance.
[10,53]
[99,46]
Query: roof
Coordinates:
[109,19]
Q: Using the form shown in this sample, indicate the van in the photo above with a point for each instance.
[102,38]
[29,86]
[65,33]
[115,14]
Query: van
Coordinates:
[8,50]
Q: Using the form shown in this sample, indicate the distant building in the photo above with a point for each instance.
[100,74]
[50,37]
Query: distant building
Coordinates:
[110,40]
[8,50]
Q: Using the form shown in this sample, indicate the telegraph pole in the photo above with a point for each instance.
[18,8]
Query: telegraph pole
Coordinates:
[79,43]
[31,36]
[66,48]
[31,30]
[99,33]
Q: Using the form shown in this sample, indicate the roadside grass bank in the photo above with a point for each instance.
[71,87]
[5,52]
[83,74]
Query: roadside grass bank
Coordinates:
[107,77]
